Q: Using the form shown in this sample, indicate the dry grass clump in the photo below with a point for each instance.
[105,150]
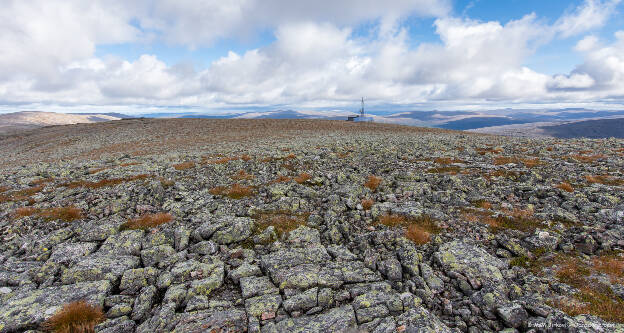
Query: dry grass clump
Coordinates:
[24,211]
[21,195]
[483,204]
[242,175]
[587,158]
[66,214]
[530,163]
[96,170]
[482,151]
[516,219]
[104,182]
[373,182]
[418,229]
[452,170]
[565,186]
[367,203]
[605,180]
[146,221]
[235,191]
[611,265]
[513,175]
[280,179]
[417,234]
[166,182]
[283,222]
[502,160]
[223,160]
[303,177]
[184,166]
[447,160]
[75,317]
[593,297]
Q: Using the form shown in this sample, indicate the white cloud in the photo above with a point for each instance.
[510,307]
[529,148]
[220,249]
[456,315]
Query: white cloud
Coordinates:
[40,35]
[195,23]
[315,59]
[592,14]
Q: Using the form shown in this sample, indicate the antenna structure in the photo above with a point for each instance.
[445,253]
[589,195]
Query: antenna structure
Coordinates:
[362,109]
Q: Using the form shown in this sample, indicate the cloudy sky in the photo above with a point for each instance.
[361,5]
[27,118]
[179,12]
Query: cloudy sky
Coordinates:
[215,56]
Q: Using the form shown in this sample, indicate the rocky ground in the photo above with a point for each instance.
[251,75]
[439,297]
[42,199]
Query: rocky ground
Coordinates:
[310,226]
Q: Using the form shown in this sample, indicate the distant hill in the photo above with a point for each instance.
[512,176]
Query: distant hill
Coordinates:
[593,129]
[15,122]
[480,122]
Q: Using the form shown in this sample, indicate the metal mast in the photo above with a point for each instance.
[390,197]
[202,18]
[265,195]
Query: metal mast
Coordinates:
[362,109]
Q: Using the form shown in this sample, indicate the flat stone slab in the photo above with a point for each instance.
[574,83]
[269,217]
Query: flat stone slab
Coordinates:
[27,310]
[98,267]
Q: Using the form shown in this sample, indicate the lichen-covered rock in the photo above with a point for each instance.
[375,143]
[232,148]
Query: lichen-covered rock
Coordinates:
[158,256]
[70,253]
[335,320]
[470,261]
[303,301]
[257,306]
[255,286]
[99,267]
[126,243]
[30,308]
[233,229]
[211,320]
[134,280]
[420,320]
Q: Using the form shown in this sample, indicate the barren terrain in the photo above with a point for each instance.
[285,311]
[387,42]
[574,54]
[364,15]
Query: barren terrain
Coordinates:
[191,225]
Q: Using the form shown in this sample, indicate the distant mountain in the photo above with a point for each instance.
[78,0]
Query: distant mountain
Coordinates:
[19,121]
[110,114]
[480,122]
[593,129]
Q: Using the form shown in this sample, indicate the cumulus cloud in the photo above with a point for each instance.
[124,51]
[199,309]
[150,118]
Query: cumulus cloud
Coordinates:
[195,23]
[315,59]
[592,14]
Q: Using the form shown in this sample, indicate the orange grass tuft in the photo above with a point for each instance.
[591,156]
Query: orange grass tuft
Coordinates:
[24,211]
[104,182]
[75,317]
[235,191]
[147,221]
[367,204]
[447,160]
[588,158]
[565,186]
[417,234]
[373,182]
[184,166]
[605,180]
[242,175]
[303,177]
[501,160]
[66,214]
[531,163]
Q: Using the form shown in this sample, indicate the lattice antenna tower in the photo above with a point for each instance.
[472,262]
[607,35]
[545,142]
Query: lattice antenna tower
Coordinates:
[362,109]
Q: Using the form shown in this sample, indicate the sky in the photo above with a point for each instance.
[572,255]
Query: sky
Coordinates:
[215,56]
